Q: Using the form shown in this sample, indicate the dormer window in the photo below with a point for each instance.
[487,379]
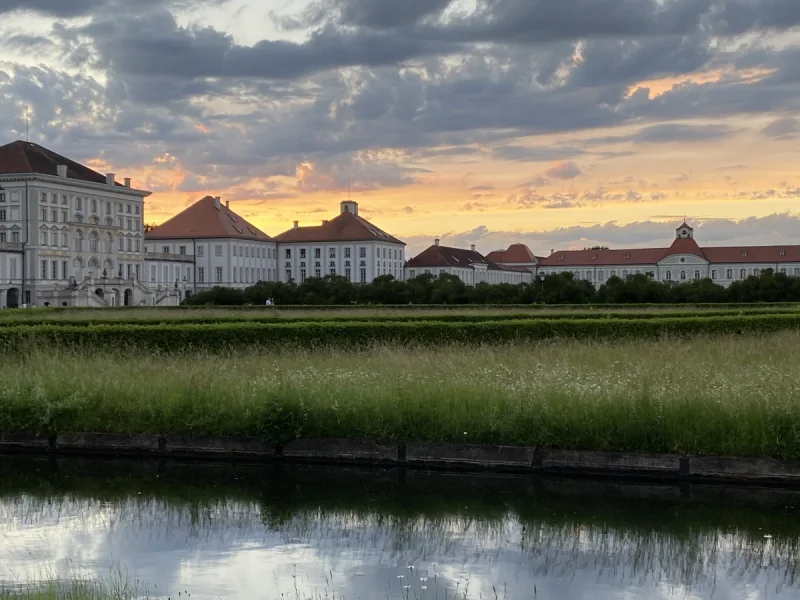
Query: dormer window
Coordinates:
[628,256]
[744,252]
[783,253]
[561,257]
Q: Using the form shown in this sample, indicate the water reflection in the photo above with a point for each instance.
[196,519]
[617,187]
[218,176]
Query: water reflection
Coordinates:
[263,531]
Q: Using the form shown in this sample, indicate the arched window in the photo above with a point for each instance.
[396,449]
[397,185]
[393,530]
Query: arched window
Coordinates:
[77,265]
[668,276]
[93,239]
[683,275]
[697,274]
[729,274]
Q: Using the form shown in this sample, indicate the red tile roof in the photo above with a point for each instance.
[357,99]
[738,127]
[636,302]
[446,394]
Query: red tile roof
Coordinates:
[516,253]
[26,157]
[444,256]
[207,219]
[752,254]
[684,246]
[346,227]
[575,258]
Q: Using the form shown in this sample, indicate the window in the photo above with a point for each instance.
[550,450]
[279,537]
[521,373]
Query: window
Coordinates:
[94,205]
[288,253]
[317,253]
[729,274]
[130,224]
[234,249]
[54,239]
[247,251]
[54,269]
[362,253]
[128,208]
[384,253]
[15,237]
[302,275]
[138,271]
[44,269]
[136,210]
[93,241]
[3,214]
[44,197]
[2,197]
[200,252]
[108,208]
[64,199]
[121,245]
[668,275]
[347,273]
[79,203]
[317,273]
[138,244]
[54,216]
[121,222]
[333,271]
[44,214]
[3,237]
[218,250]
[234,273]
[288,275]
[683,275]
[201,274]
[697,274]
[109,243]
[613,273]
[43,238]
[624,274]
[152,273]
[363,275]
[64,216]
[64,270]
[128,272]
[742,273]
[332,253]
[219,274]
[713,274]
[347,252]
[378,252]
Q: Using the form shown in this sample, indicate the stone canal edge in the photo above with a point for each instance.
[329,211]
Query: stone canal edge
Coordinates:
[462,457]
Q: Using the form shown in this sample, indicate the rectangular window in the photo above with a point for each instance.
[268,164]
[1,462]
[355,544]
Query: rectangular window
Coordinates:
[2,197]
[128,271]
[347,252]
[332,253]
[129,223]
[3,214]
[742,273]
[218,250]
[288,253]
[43,238]
[166,274]
[201,274]
[121,246]
[64,199]
[138,271]
[54,269]
[108,208]
[302,275]
[54,216]
[302,252]
[64,270]
[54,239]
[347,273]
[3,237]
[152,273]
[333,271]
[165,249]
[317,253]
[129,245]
[200,251]
[64,216]
[79,204]
[136,210]
[317,273]
[138,245]
[288,275]
[234,273]
[363,275]
[44,269]
[362,253]
[128,209]
[12,268]
[219,274]
[234,249]
[44,214]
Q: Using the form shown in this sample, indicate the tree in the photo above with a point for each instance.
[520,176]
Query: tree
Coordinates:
[149,227]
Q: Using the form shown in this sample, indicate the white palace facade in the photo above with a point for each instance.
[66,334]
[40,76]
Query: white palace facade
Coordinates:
[682,261]
[70,236]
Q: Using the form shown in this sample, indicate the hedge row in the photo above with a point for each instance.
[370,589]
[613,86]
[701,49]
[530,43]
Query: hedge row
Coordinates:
[10,314]
[185,338]
[454,317]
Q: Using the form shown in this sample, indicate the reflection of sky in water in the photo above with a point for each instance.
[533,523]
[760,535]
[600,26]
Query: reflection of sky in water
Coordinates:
[226,550]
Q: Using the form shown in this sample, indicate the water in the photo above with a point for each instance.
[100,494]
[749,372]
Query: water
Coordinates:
[265,532]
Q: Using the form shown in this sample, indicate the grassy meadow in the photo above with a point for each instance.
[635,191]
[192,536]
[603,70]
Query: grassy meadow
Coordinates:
[711,395]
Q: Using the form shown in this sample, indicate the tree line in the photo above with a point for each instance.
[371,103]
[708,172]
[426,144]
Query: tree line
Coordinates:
[561,288]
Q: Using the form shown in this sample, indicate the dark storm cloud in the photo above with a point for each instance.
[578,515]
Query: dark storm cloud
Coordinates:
[78,8]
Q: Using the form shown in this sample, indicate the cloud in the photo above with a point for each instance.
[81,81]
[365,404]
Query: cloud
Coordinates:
[482,188]
[563,170]
[669,133]
[78,8]
[781,129]
[514,152]
[367,13]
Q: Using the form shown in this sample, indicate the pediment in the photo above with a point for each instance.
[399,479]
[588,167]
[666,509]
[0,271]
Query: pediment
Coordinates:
[677,260]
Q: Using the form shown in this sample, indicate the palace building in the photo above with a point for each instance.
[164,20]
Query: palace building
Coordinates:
[684,260]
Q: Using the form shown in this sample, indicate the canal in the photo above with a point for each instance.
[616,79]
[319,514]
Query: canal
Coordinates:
[301,532]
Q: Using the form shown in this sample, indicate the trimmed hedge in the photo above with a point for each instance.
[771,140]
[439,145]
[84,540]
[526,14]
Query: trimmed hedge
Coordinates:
[220,337]
[444,318]
[10,314]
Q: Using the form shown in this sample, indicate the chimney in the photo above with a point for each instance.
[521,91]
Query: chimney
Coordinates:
[61,170]
[127,182]
[552,251]
[217,200]
[296,224]
[436,242]
[472,247]
[227,203]
[110,178]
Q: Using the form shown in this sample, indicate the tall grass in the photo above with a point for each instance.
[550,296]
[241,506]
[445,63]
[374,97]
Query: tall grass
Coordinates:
[713,396]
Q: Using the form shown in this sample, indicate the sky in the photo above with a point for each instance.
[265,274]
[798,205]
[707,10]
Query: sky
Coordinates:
[559,124]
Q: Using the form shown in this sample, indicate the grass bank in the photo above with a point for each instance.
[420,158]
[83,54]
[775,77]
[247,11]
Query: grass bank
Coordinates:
[721,395]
